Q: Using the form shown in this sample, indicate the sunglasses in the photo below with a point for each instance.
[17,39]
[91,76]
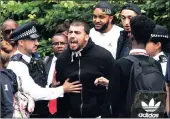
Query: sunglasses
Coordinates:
[8,31]
[58,43]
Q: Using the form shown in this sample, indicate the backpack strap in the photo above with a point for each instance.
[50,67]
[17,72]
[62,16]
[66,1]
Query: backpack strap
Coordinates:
[131,58]
[129,98]
[135,60]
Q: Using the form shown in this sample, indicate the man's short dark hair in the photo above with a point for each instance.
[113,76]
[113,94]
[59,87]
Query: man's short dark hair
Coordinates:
[62,27]
[4,24]
[59,34]
[81,23]
[141,28]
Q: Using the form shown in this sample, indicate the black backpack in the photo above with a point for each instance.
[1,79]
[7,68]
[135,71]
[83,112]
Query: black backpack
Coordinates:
[145,96]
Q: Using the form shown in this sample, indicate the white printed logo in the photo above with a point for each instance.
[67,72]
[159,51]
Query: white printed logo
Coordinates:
[150,108]
[6,87]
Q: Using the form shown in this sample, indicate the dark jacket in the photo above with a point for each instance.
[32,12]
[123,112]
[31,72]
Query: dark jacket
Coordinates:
[94,62]
[123,45]
[9,87]
[47,62]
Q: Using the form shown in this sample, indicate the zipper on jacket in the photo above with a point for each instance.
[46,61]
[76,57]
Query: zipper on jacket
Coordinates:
[81,106]
[110,109]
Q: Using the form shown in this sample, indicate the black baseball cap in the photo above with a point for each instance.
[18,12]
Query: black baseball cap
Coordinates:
[132,7]
[106,7]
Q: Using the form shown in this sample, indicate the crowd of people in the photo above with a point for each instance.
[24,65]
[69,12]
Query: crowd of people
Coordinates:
[100,72]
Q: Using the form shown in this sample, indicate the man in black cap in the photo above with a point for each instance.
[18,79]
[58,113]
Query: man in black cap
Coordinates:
[124,43]
[105,33]
[31,71]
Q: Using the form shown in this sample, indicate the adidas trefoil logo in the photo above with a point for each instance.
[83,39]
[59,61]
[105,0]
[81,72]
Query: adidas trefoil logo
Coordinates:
[152,107]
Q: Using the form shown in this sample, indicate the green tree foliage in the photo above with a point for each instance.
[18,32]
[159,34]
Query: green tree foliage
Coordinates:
[49,13]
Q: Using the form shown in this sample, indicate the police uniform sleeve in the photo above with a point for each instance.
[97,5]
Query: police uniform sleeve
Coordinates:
[6,97]
[28,84]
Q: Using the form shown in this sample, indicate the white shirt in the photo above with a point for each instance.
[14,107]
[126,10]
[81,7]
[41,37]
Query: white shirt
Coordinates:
[163,64]
[51,71]
[28,84]
[107,40]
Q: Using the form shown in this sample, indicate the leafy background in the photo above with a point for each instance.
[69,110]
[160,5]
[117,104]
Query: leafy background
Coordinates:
[49,13]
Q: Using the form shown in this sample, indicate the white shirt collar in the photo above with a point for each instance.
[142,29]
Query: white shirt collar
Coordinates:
[140,51]
[156,57]
[25,57]
[54,59]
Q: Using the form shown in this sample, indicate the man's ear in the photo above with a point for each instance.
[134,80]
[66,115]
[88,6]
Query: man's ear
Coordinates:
[131,36]
[20,42]
[111,19]
[158,45]
[86,37]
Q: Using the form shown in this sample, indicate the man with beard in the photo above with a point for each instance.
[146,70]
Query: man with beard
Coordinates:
[105,33]
[124,45]
[31,70]
[83,61]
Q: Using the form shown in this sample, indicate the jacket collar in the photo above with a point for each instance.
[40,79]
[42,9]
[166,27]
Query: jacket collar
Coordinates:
[25,57]
[79,53]
[138,52]
[156,57]
[89,45]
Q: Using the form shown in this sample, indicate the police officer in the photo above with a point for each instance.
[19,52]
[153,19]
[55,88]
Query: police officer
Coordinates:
[157,47]
[32,72]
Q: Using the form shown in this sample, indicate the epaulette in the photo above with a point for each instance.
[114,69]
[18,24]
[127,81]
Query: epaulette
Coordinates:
[16,57]
[163,58]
